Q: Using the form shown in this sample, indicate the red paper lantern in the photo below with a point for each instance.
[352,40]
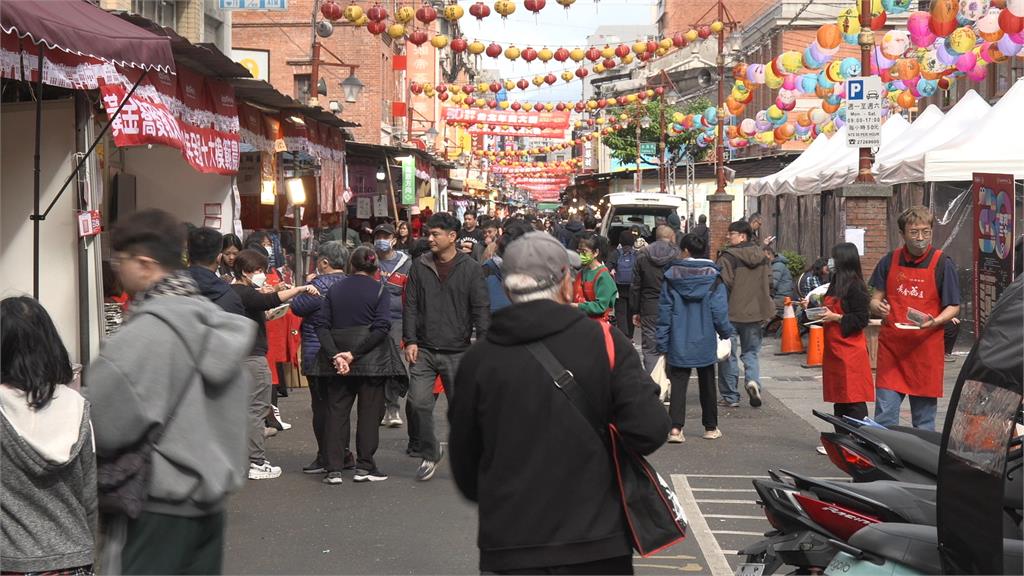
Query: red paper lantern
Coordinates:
[1009,23]
[517,106]
[492,103]
[376,28]
[678,40]
[652,47]
[480,10]
[331,10]
[622,50]
[468,89]
[550,79]
[415,88]
[608,64]
[493,50]
[522,84]
[593,54]
[459,45]
[535,6]
[659,91]
[560,106]
[579,107]
[561,55]
[418,37]
[426,14]
[377,13]
[442,96]
[538,107]
[529,54]
[582,72]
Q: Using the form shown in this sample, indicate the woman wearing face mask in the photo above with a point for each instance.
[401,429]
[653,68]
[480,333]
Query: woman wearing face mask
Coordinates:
[595,288]
[250,280]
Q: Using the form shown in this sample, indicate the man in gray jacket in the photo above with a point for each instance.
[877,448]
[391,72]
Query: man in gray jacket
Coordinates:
[646,290]
[173,376]
[746,272]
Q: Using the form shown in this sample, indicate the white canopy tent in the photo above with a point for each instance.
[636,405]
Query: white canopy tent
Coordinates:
[920,128]
[991,145]
[766,184]
[805,180]
[845,168]
[908,164]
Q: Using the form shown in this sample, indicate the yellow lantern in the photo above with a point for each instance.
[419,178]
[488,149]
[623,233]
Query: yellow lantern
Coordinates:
[483,87]
[453,12]
[476,47]
[545,54]
[661,51]
[538,80]
[691,35]
[665,43]
[353,13]
[567,76]
[439,41]
[512,53]
[510,85]
[504,104]
[599,121]
[592,104]
[631,98]
[607,52]
[396,31]
[405,15]
[623,117]
[640,47]
[505,7]
[577,54]
[717,26]
[549,106]
[650,93]
[480,102]
[628,59]
[362,21]
[599,69]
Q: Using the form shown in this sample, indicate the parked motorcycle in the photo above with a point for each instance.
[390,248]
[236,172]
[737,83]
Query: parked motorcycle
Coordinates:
[867,453]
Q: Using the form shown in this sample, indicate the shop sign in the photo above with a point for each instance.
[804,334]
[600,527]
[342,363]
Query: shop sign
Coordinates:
[89,223]
[408,180]
[993,241]
[553,120]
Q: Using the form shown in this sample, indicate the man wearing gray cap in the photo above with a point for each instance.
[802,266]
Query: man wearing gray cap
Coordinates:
[548,501]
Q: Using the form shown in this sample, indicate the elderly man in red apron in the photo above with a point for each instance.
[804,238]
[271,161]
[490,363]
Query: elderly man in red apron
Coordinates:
[910,353]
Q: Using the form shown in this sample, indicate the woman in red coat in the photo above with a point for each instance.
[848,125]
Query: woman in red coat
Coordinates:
[846,370]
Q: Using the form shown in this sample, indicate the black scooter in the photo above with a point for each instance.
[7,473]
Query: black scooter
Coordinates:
[868,453]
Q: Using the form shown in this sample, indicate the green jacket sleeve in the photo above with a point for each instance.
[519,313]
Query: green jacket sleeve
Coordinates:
[606,292]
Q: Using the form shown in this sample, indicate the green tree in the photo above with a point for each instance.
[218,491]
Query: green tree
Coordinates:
[623,142]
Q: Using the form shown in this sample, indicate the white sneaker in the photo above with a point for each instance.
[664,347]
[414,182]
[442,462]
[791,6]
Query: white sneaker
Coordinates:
[263,471]
[712,434]
[277,415]
[392,418]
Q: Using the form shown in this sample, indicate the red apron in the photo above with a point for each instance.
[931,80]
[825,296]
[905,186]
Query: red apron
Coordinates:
[845,368]
[585,292]
[911,361]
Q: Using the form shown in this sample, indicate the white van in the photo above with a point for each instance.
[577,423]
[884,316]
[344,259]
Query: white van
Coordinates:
[645,209]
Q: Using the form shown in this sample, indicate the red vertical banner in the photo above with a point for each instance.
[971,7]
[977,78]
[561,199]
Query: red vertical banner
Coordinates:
[993,241]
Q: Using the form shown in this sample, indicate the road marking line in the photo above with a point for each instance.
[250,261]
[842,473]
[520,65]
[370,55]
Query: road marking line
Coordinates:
[748,476]
[713,501]
[717,564]
[738,532]
[722,489]
[734,516]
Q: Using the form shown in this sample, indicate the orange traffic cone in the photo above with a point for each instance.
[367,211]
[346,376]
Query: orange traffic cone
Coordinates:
[791,343]
[815,347]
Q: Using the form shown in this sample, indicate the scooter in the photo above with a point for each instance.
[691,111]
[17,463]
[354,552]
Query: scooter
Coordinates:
[868,453]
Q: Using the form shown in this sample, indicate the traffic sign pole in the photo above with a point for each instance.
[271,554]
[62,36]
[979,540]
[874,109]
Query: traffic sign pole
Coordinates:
[867,41]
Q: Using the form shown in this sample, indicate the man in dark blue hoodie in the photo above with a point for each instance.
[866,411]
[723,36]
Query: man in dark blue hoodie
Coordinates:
[204,245]
[569,234]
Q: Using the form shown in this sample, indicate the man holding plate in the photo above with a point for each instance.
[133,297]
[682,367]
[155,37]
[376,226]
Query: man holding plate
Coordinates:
[916,293]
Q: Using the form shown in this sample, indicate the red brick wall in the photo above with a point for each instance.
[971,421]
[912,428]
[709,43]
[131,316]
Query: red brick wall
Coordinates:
[681,15]
[869,214]
[288,35]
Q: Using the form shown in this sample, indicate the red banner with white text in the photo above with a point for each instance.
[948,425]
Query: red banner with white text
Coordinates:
[553,120]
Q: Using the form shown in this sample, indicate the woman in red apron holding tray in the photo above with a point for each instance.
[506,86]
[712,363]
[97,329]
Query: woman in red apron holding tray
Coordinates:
[595,290]
[910,343]
[846,370]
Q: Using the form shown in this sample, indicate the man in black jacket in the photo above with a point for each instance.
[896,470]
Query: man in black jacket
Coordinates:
[646,289]
[562,513]
[445,299]
[204,245]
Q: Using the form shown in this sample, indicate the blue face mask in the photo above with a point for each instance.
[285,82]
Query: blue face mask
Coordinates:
[382,245]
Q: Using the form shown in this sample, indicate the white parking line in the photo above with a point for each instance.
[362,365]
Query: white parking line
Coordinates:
[738,532]
[722,489]
[717,564]
[734,516]
[715,501]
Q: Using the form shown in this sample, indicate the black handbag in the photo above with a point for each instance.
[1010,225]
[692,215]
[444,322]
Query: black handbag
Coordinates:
[654,516]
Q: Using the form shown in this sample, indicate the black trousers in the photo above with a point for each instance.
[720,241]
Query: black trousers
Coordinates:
[858,410]
[368,395]
[163,544]
[623,312]
[616,565]
[950,333]
[680,380]
[318,402]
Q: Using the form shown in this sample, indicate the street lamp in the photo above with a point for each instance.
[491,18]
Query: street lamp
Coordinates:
[431,133]
[353,87]
[381,174]
[297,196]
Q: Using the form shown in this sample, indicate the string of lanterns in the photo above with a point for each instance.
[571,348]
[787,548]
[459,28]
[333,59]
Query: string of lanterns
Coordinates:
[464,96]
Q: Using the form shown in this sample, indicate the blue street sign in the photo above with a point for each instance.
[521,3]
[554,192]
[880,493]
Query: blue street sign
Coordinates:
[854,89]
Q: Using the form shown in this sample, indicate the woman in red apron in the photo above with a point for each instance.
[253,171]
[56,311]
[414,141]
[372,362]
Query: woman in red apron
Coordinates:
[846,371]
[595,290]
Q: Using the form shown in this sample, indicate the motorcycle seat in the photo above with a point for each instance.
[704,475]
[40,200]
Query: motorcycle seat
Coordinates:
[912,449]
[915,503]
[912,545]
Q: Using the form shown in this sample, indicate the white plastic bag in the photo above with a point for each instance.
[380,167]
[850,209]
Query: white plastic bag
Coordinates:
[660,377]
[724,348]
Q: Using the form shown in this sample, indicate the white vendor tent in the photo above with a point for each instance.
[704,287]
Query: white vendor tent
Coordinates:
[920,128]
[908,164]
[806,180]
[846,166]
[991,145]
[766,184]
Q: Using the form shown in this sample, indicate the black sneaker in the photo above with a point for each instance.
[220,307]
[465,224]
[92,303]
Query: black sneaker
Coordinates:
[426,470]
[374,475]
[314,467]
[333,478]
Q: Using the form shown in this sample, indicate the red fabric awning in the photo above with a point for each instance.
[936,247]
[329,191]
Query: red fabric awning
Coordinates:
[80,28]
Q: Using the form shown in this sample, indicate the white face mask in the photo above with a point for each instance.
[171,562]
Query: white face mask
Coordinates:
[258,279]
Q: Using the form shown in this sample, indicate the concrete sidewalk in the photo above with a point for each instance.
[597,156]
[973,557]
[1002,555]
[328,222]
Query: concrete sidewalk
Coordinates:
[799,389]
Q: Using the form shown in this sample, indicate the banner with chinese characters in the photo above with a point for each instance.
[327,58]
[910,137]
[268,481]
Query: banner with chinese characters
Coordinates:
[193,113]
[993,241]
[553,120]
[548,133]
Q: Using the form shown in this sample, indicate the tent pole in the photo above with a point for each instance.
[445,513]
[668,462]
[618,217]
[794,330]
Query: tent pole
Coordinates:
[35,177]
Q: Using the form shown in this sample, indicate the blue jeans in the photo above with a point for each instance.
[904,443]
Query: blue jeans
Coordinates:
[746,344]
[887,409]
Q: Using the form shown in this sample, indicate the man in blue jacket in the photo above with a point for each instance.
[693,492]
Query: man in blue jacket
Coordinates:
[692,314]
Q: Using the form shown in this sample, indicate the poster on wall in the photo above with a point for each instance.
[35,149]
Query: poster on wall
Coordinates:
[364,208]
[257,62]
[993,241]
[380,206]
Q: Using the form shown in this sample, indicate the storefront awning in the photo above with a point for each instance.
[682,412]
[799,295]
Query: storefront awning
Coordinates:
[79,28]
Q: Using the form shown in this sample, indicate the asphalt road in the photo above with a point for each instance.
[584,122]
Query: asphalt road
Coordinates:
[296,525]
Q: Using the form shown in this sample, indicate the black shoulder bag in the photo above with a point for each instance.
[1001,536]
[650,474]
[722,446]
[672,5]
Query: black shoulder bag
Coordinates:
[654,516]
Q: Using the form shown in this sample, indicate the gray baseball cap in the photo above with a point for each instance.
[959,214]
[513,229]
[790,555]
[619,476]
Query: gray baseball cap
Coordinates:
[537,255]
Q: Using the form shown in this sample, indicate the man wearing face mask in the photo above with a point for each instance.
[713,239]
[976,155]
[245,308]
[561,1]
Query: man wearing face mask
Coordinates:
[910,350]
[249,285]
[393,272]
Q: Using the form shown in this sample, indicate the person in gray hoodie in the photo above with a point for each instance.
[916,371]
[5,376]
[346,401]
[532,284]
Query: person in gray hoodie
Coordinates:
[747,274]
[48,469]
[171,376]
[646,290]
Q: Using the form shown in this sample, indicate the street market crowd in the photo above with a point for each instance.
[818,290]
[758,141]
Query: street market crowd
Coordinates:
[176,412]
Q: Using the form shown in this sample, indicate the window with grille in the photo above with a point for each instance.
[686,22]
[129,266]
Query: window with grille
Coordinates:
[163,12]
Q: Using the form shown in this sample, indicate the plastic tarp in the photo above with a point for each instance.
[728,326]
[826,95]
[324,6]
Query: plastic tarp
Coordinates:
[921,128]
[908,164]
[990,145]
[766,184]
[844,169]
[806,180]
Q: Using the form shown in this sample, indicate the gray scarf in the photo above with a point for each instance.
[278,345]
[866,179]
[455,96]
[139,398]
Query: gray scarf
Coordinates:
[178,283]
